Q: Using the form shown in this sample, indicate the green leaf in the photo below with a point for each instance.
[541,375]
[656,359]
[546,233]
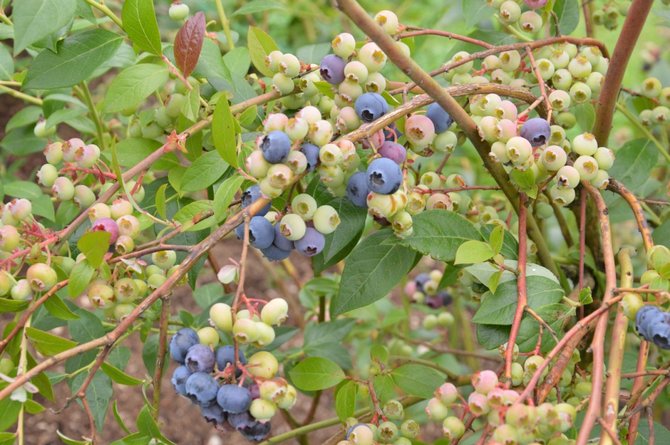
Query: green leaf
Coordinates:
[496,238]
[139,22]
[9,412]
[326,339]
[224,196]
[316,373]
[255,6]
[82,274]
[498,308]
[208,294]
[68,441]
[633,163]
[23,189]
[224,132]
[260,45]
[585,296]
[525,180]
[94,245]
[384,387]
[8,305]
[345,400]
[205,171]
[187,215]
[344,239]
[510,246]
[475,11]
[131,151]
[118,375]
[237,61]
[372,269]
[417,380]
[160,201]
[37,19]
[471,252]
[147,426]
[48,344]
[567,12]
[586,115]
[78,56]
[439,233]
[98,395]
[133,85]
[6,65]
[117,416]
[58,309]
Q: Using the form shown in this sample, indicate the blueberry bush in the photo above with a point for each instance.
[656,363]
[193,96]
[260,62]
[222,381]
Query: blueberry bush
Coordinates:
[462,206]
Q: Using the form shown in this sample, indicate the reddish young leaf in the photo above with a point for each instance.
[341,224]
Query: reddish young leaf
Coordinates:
[188,43]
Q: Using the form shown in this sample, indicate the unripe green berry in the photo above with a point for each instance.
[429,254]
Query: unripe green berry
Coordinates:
[41,277]
[178,11]
[263,364]
[208,336]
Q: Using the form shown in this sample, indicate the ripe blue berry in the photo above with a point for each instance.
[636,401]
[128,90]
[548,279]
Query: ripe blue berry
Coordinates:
[281,241]
[536,131]
[275,146]
[310,244]
[274,253]
[181,342]
[371,106]
[311,152]
[261,232]
[393,151]
[257,431]
[199,358]
[201,388]
[225,355]
[332,69]
[441,119]
[357,189]
[646,317]
[384,176]
[213,414]
[660,334]
[179,377]
[233,399]
[251,195]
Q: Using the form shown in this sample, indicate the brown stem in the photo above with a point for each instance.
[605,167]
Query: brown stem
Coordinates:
[588,20]
[162,352]
[642,225]
[630,32]
[611,436]
[522,296]
[597,345]
[413,32]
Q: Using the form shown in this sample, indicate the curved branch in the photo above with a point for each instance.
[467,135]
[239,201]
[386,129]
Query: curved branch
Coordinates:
[642,225]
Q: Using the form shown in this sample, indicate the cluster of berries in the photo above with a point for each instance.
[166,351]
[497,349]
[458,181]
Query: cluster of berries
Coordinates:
[660,100]
[510,14]
[511,422]
[231,390]
[393,430]
[302,229]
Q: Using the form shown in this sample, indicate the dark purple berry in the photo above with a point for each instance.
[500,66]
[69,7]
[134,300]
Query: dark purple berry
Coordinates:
[274,253]
[393,151]
[179,377]
[536,131]
[225,355]
[275,146]
[421,280]
[310,244]
[181,342]
[332,69]
[660,335]
[106,225]
[202,388]
[281,242]
[256,432]
[440,118]
[370,106]
[233,399]
[357,189]
[213,414]
[251,195]
[200,358]
[384,176]
[311,152]
[241,421]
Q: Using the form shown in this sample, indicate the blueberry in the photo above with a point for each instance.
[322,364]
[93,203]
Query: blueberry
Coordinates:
[310,244]
[181,342]
[233,399]
[213,414]
[536,131]
[441,119]
[225,355]
[199,358]
[438,300]
[420,281]
[646,318]
[257,431]
[357,189]
[280,241]
[332,69]
[660,335]
[251,195]
[261,232]
[393,151]
[179,377]
[274,253]
[370,106]
[311,152]
[275,146]
[241,421]
[201,388]
[384,176]
[446,298]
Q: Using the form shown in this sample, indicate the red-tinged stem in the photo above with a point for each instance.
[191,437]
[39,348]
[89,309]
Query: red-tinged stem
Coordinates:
[413,32]
[522,296]
[598,344]
[630,32]
[634,204]
[636,390]
[582,243]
